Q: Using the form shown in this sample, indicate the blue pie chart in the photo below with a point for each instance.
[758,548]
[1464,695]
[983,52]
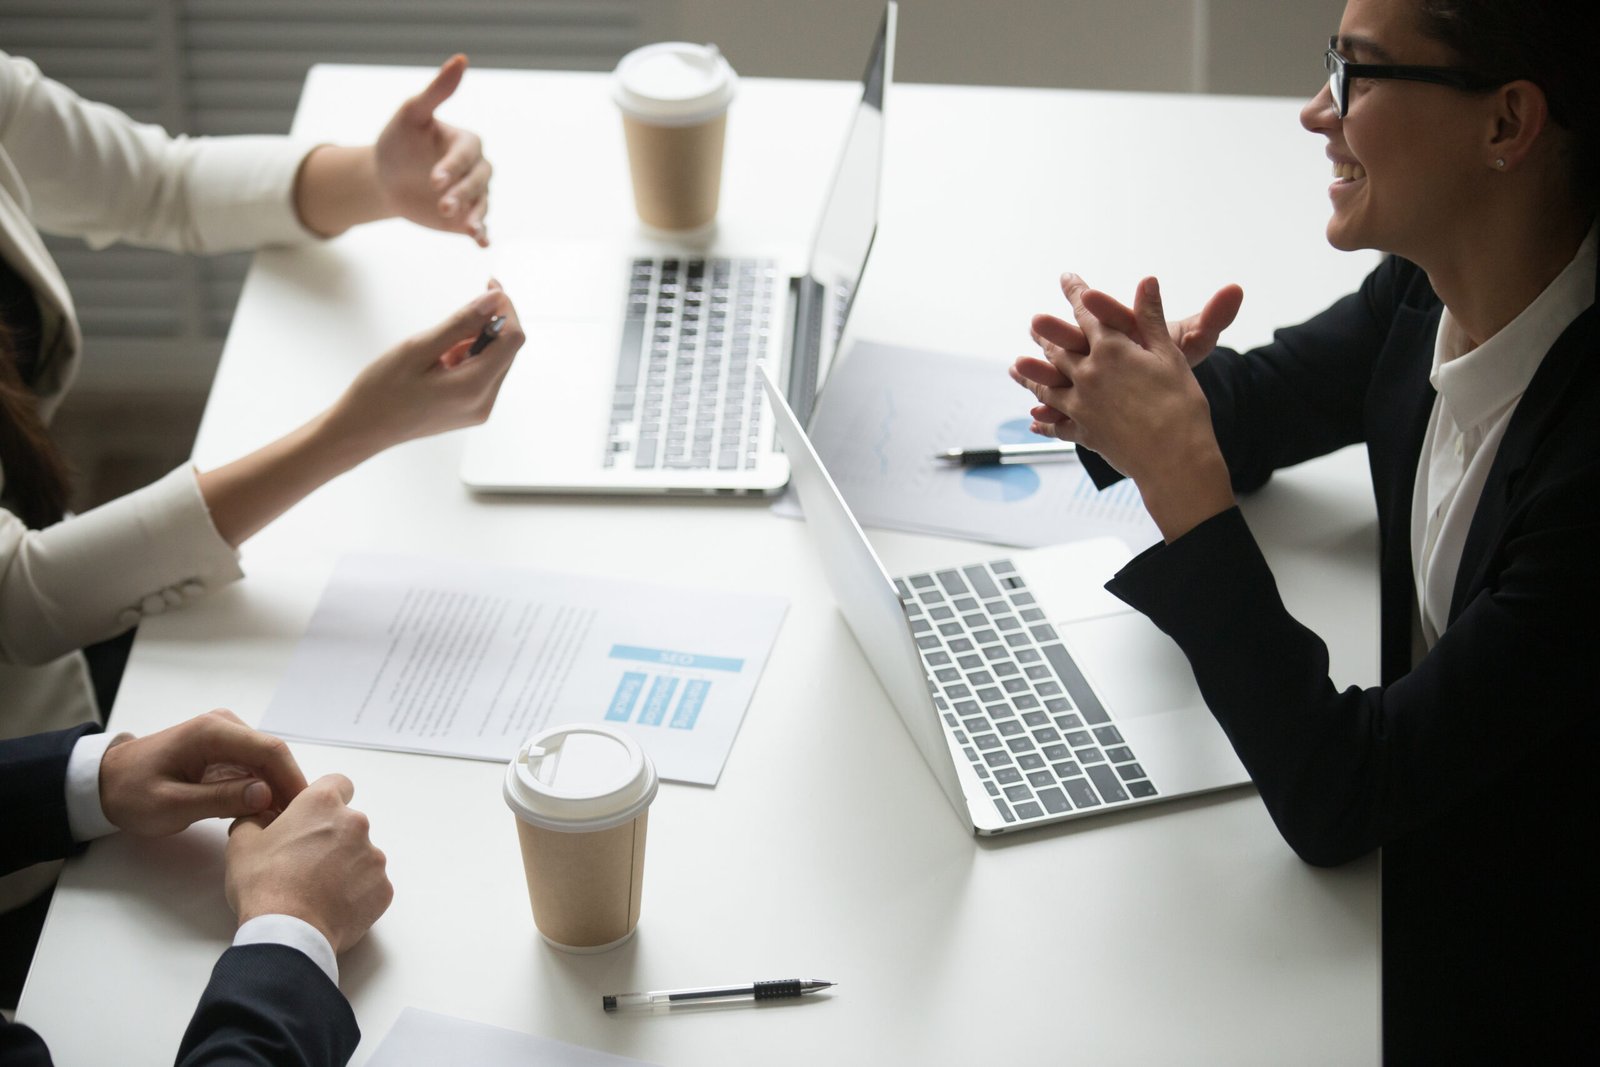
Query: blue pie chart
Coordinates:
[1001,485]
[1005,485]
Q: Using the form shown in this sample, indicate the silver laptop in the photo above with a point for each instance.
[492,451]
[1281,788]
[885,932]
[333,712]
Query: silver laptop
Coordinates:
[1033,694]
[660,395]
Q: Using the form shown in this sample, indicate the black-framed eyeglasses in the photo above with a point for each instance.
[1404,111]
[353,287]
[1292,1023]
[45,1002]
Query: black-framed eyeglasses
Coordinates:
[1341,71]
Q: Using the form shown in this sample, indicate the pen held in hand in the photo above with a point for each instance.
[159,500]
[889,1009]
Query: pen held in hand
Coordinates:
[758,991]
[486,336]
[1060,452]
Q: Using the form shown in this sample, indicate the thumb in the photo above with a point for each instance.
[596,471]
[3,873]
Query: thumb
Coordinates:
[462,326]
[230,798]
[420,108]
[1148,312]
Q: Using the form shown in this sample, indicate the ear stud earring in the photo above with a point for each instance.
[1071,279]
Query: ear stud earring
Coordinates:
[1500,163]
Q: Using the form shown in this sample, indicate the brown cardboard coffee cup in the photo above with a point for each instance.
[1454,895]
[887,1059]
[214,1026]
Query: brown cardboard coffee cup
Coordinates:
[674,100]
[581,795]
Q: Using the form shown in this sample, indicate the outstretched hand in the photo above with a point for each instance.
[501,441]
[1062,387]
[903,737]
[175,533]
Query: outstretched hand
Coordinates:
[429,171]
[213,766]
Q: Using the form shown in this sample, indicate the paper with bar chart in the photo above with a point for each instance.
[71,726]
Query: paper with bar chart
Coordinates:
[886,410]
[457,658]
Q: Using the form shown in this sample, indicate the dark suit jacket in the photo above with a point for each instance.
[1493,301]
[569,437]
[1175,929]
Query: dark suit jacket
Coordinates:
[1473,771]
[265,1004]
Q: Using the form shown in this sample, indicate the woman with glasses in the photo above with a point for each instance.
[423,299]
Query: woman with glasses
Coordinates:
[1463,141]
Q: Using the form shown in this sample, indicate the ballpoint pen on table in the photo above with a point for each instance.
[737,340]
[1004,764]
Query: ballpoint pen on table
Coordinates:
[486,336]
[1057,452]
[792,987]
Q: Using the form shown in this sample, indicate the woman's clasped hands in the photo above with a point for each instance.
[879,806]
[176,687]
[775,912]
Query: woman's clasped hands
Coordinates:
[1120,381]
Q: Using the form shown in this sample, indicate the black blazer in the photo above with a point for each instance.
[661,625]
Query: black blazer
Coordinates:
[1472,771]
[265,1004]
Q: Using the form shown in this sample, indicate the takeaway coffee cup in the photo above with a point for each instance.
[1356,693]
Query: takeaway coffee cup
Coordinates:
[581,795]
[674,99]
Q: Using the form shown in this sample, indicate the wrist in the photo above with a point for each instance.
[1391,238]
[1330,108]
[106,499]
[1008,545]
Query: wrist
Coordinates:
[1185,493]
[337,188]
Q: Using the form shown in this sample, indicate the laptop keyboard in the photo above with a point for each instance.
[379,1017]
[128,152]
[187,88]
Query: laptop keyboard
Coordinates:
[686,396]
[1013,698]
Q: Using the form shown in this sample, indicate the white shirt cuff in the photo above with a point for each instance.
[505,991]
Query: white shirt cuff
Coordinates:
[86,819]
[293,933]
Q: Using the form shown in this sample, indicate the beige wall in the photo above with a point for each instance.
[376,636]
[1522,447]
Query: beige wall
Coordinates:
[1230,46]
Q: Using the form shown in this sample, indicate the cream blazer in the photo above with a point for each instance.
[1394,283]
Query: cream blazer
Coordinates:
[75,168]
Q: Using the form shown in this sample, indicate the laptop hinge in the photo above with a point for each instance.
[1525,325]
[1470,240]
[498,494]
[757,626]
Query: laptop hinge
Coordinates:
[806,298]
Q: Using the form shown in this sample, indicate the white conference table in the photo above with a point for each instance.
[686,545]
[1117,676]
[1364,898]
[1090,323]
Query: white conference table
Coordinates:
[1179,933]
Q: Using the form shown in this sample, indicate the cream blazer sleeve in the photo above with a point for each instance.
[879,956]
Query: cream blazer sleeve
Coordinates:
[77,168]
[92,172]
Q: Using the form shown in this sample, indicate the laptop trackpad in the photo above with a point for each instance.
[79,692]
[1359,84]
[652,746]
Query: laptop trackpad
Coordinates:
[1135,668]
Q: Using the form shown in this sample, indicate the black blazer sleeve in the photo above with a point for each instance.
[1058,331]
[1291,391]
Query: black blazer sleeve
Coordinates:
[33,798]
[270,1005]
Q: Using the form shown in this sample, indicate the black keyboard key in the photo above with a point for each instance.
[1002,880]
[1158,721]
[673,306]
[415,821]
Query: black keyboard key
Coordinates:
[1030,810]
[1054,801]
[1108,735]
[1058,706]
[1090,755]
[967,707]
[1120,754]
[1007,775]
[1079,738]
[993,789]
[983,678]
[1032,615]
[938,659]
[1026,700]
[970,663]
[928,641]
[1005,812]
[1054,752]
[1006,668]
[1072,678]
[1037,671]
[986,741]
[941,612]
[1009,727]
[1067,722]
[1016,640]
[1000,711]
[1105,780]
[1014,685]
[960,644]
[1048,689]
[985,637]
[951,581]
[1043,632]
[1130,771]
[922,581]
[1018,792]
[1081,792]
[1046,735]
[1020,744]
[947,674]
[1036,718]
[1003,566]
[982,584]
[1142,789]
[1027,655]
[965,604]
[1040,779]
[998,758]
[1066,769]
[1030,761]
[921,626]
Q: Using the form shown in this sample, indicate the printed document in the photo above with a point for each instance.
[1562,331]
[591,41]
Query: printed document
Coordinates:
[457,658]
[427,1039]
[886,411]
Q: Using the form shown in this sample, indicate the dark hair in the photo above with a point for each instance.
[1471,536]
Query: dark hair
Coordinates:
[36,479]
[1553,43]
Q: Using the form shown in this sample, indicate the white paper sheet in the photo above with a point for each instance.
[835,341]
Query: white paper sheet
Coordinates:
[427,1039]
[885,412]
[456,658]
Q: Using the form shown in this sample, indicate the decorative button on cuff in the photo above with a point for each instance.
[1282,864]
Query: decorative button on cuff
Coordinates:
[129,617]
[153,604]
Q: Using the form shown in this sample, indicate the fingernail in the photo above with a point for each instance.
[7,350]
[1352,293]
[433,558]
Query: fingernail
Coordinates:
[257,795]
[447,207]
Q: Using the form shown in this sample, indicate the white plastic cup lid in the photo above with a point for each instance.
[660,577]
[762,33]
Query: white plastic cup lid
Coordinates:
[579,778]
[674,83]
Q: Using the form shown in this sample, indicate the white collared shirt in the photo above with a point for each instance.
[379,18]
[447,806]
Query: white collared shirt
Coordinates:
[1478,390]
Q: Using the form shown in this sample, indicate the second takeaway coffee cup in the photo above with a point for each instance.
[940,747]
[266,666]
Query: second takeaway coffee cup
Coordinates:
[674,99]
[581,794]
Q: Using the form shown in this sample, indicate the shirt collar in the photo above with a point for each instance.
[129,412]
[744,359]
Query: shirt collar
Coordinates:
[1478,384]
